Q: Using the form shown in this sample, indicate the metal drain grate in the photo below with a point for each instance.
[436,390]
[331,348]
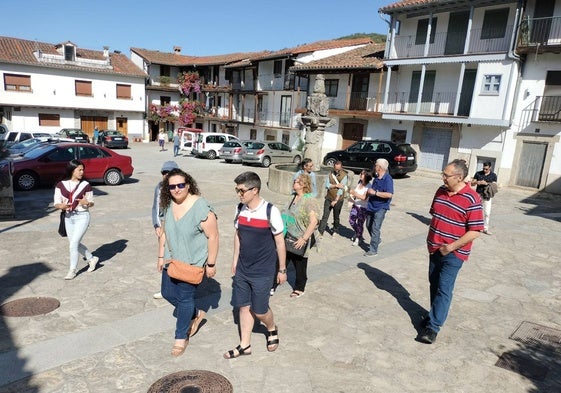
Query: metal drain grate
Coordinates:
[29,307]
[533,334]
[523,365]
[192,381]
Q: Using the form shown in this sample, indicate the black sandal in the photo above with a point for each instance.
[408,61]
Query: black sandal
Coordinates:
[241,351]
[272,340]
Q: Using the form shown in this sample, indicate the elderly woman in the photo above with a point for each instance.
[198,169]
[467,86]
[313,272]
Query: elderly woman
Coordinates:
[302,218]
[190,235]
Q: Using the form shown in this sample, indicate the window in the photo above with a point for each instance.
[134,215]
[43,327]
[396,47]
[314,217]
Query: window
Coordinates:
[331,87]
[398,136]
[277,68]
[49,119]
[422,28]
[491,84]
[16,82]
[124,91]
[494,24]
[253,134]
[165,100]
[69,52]
[83,88]
[89,152]
[165,70]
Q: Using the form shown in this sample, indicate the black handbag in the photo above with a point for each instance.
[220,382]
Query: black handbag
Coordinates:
[289,241]
[62,224]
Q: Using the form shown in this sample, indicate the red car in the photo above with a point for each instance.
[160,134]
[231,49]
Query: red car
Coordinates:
[46,165]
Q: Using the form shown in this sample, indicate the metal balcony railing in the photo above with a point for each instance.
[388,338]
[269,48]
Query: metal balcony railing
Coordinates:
[449,43]
[540,31]
[547,108]
[437,103]
[357,102]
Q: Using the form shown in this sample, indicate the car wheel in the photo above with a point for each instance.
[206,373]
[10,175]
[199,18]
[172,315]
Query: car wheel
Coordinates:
[297,160]
[103,144]
[228,161]
[330,162]
[113,177]
[266,162]
[26,181]
[211,155]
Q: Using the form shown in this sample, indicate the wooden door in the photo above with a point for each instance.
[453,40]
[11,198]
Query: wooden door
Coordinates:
[457,33]
[88,123]
[352,132]
[122,125]
[533,157]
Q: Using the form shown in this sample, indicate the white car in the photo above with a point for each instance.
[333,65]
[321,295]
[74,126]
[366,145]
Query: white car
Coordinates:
[208,144]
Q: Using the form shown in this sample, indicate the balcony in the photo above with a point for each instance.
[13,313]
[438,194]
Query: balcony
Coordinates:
[439,103]
[540,34]
[546,108]
[277,119]
[359,104]
[445,44]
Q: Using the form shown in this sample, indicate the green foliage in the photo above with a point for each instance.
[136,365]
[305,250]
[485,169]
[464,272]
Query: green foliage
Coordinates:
[377,38]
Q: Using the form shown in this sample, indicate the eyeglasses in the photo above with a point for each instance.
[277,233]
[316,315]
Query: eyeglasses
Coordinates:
[241,191]
[181,186]
[447,176]
[164,173]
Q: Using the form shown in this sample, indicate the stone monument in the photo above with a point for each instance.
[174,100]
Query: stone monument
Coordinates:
[316,120]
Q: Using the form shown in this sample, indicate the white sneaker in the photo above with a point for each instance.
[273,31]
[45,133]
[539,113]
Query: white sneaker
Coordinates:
[70,275]
[355,243]
[158,295]
[92,262]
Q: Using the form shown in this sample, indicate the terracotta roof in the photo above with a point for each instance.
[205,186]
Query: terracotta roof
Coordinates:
[18,51]
[417,5]
[173,59]
[365,57]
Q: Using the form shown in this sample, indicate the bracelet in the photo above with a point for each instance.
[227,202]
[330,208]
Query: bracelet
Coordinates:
[211,264]
[160,257]
[282,271]
[375,192]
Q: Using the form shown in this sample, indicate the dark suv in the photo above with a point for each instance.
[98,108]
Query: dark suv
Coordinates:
[362,155]
[74,133]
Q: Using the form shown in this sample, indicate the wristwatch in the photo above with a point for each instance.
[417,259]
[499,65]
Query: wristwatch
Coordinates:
[211,264]
[282,271]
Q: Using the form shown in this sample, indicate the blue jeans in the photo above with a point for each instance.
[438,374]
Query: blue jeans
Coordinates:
[175,150]
[182,296]
[76,226]
[374,222]
[443,271]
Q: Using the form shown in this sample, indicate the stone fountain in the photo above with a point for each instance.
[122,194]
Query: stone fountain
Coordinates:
[315,120]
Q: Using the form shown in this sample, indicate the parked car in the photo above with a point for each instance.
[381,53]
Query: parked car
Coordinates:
[362,155]
[232,151]
[188,137]
[14,137]
[3,131]
[208,144]
[45,165]
[270,152]
[74,133]
[112,139]
[20,148]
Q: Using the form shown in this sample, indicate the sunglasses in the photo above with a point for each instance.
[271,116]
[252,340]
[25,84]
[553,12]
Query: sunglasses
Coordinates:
[241,191]
[181,186]
[165,173]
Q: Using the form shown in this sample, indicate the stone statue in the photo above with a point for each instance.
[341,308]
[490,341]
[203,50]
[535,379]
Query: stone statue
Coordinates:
[315,120]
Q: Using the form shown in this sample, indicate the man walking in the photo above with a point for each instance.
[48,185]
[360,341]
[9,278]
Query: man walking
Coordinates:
[308,169]
[486,182]
[457,219]
[379,194]
[176,143]
[258,244]
[335,185]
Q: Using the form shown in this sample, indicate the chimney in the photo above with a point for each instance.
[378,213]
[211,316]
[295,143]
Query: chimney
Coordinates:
[177,50]
[106,52]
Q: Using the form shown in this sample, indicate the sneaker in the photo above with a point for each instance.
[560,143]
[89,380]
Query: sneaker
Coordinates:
[355,242]
[370,254]
[487,232]
[272,292]
[428,336]
[70,275]
[158,295]
[92,262]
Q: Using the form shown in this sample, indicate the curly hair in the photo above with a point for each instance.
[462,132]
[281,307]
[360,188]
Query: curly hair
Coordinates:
[306,182]
[165,193]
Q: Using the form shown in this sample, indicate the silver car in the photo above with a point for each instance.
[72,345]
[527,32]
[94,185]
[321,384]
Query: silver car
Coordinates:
[232,151]
[270,152]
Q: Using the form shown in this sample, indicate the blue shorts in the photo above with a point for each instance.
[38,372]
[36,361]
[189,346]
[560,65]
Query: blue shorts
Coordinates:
[252,291]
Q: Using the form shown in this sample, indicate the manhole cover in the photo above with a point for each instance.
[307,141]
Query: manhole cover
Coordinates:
[29,307]
[531,334]
[524,365]
[193,381]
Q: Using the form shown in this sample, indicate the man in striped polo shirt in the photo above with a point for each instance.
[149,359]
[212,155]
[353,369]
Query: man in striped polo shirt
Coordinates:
[457,220]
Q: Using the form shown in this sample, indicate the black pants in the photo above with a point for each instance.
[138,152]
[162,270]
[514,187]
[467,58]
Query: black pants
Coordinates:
[301,266]
[336,213]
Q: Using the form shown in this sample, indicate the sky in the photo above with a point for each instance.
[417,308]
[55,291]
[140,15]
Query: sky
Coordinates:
[213,28]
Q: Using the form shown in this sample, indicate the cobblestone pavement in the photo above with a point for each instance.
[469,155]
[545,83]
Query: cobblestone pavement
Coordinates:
[353,331]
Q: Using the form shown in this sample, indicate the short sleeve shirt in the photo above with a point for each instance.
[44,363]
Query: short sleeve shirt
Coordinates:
[383,184]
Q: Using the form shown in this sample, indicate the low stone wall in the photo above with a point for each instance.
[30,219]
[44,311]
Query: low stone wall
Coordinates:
[280,178]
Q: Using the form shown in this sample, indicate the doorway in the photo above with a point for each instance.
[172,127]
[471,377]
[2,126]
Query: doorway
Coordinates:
[352,132]
[457,33]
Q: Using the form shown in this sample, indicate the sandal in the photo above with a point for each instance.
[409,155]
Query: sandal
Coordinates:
[177,350]
[296,294]
[239,352]
[272,340]
[194,328]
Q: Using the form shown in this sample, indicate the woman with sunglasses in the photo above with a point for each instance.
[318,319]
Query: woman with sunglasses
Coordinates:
[357,216]
[190,234]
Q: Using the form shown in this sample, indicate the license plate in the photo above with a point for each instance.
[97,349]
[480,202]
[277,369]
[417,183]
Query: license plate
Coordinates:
[410,158]
[118,139]
[249,153]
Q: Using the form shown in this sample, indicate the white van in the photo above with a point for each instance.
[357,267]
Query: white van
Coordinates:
[207,144]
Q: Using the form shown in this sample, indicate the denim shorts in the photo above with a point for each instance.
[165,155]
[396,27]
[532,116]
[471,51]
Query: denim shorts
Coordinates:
[252,291]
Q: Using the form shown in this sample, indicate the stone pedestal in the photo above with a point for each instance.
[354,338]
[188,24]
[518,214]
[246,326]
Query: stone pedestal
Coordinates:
[7,207]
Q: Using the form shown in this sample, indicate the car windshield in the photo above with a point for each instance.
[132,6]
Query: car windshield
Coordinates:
[113,133]
[256,145]
[42,134]
[406,148]
[231,144]
[40,150]
[25,143]
[75,133]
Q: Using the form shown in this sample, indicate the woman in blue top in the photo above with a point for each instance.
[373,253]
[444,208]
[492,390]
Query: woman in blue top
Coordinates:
[191,236]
